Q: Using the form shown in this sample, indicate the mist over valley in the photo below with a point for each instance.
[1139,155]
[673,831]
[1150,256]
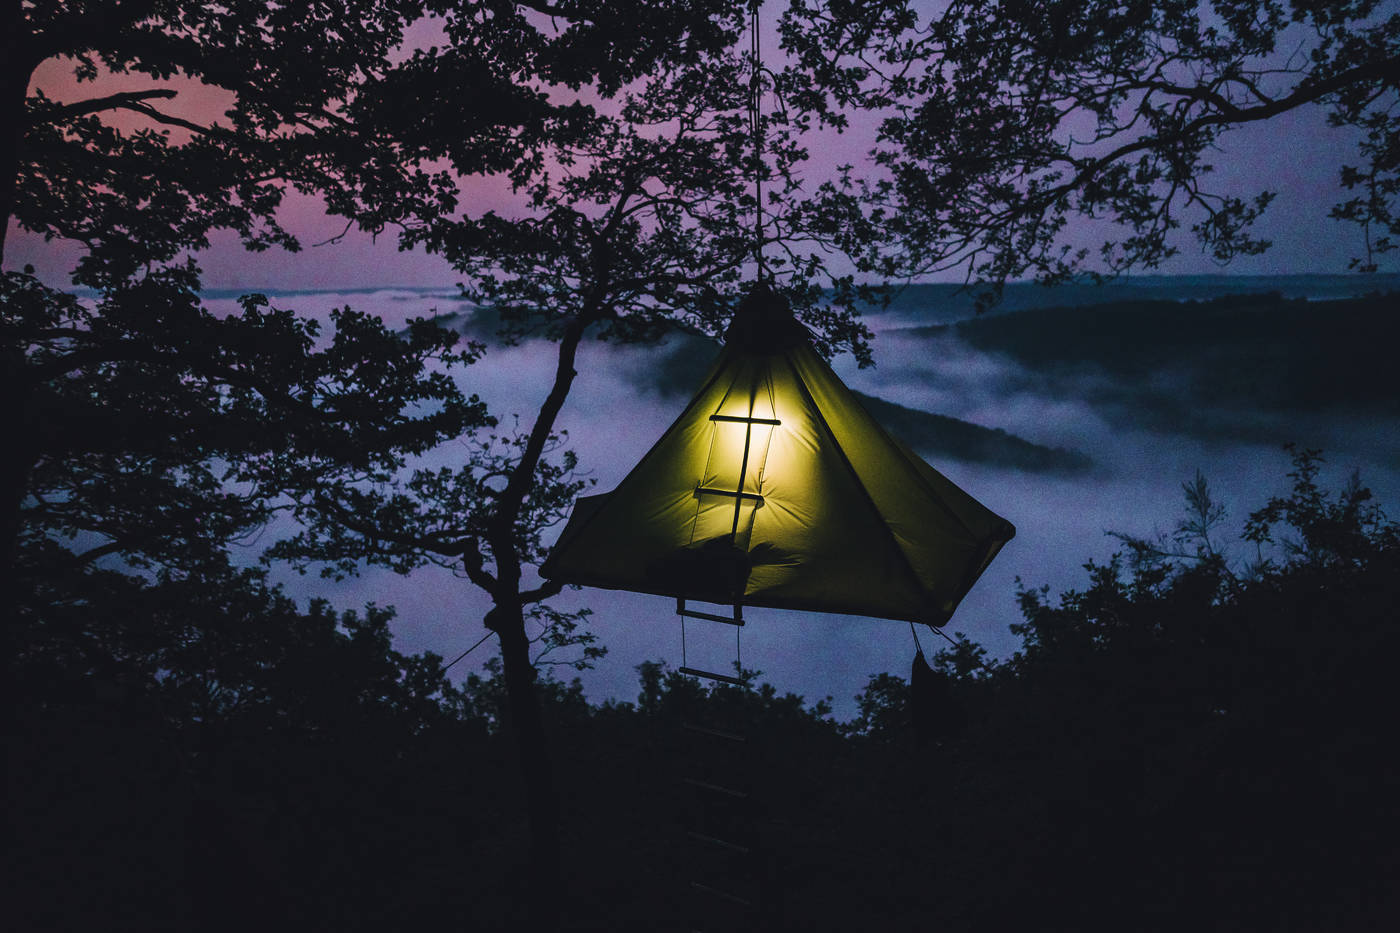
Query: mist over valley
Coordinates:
[1070,420]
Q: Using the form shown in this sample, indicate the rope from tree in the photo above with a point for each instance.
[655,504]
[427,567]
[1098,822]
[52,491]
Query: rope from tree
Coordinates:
[467,652]
[756,131]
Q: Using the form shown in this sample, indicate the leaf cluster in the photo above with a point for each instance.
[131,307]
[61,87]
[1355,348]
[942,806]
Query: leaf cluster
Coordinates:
[115,169]
[1002,122]
[155,432]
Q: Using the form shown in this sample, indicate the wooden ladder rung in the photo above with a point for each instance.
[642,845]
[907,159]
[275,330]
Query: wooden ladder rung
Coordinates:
[725,895]
[711,675]
[728,493]
[739,419]
[716,788]
[714,733]
[712,617]
[716,841]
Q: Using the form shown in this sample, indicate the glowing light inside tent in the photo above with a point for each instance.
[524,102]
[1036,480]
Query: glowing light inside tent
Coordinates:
[731,489]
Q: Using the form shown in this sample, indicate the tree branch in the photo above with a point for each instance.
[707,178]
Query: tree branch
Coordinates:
[545,591]
[123,99]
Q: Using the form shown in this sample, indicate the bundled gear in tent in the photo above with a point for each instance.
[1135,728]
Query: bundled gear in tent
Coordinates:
[775,488]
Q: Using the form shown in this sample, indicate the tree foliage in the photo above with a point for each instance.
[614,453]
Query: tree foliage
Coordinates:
[1004,123]
[164,177]
[159,432]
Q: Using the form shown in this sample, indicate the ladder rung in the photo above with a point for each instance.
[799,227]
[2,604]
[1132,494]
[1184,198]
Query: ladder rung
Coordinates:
[711,491]
[724,678]
[716,788]
[713,617]
[742,420]
[734,898]
[716,733]
[716,841]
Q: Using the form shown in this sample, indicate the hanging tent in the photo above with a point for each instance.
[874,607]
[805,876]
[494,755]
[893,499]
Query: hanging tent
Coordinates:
[776,488]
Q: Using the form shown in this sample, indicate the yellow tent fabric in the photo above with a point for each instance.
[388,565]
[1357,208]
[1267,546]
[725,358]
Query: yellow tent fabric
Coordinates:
[776,488]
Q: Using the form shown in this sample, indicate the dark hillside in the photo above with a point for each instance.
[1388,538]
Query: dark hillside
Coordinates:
[947,302]
[1260,352]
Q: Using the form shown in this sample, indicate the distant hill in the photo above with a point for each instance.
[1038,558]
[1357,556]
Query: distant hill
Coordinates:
[1234,367]
[942,436]
[947,302]
[1260,352]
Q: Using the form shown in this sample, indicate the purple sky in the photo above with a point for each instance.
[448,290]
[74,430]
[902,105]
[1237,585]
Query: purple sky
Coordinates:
[1297,155]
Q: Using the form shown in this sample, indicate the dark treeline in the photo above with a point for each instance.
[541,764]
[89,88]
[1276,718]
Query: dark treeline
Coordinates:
[1188,742]
[1245,351]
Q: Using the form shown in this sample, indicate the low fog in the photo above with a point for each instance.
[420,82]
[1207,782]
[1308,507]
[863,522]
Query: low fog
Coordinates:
[1141,433]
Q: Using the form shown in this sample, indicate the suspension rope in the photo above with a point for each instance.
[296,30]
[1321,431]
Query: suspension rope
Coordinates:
[467,652]
[950,639]
[915,632]
[756,131]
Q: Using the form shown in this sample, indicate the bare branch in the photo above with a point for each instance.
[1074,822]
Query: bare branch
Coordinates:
[124,99]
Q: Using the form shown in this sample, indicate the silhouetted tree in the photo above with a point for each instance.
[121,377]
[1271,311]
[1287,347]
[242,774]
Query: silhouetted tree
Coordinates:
[144,433]
[145,188]
[634,213]
[622,127]
[135,392]
[1003,122]
[1195,736]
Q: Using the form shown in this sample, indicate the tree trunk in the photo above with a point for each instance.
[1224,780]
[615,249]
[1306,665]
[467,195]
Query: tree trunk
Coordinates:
[16,464]
[15,69]
[15,461]
[537,770]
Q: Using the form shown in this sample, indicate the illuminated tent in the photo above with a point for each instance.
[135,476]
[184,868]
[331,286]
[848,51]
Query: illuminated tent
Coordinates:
[775,488]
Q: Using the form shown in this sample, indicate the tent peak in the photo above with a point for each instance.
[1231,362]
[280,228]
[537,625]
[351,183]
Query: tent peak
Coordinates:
[763,323]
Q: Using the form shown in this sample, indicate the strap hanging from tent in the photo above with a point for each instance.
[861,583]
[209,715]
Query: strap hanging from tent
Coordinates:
[919,646]
[756,131]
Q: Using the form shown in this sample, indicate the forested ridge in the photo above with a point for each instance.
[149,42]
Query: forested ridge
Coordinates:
[1193,740]
[1261,352]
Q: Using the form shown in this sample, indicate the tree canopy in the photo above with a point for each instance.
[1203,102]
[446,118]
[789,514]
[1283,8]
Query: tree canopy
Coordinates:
[1004,124]
[145,434]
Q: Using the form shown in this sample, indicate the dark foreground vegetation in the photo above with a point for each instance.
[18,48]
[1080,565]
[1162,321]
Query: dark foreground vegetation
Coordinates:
[1189,742]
